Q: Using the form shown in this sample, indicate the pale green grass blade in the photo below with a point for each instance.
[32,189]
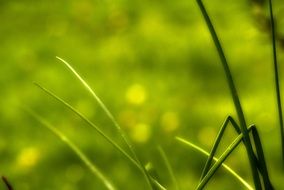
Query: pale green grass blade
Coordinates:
[76,150]
[169,167]
[111,117]
[157,184]
[228,120]
[225,166]
[84,118]
[235,97]
[277,81]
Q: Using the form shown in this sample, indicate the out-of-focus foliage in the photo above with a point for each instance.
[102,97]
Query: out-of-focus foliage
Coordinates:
[154,65]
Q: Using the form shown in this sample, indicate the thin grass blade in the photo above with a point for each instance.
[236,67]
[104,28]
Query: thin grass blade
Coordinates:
[7,183]
[228,120]
[111,117]
[225,166]
[169,167]
[261,159]
[277,81]
[235,96]
[94,169]
[90,123]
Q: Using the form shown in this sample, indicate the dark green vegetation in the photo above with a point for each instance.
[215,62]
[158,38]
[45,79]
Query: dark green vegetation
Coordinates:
[154,66]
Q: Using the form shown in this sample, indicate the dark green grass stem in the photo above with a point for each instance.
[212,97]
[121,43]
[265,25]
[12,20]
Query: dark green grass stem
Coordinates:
[7,184]
[276,75]
[261,160]
[235,97]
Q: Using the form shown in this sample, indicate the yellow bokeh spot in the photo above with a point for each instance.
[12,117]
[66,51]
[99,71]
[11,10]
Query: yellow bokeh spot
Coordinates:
[28,157]
[141,133]
[169,121]
[136,94]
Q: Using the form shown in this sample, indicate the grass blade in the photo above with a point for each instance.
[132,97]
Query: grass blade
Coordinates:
[76,150]
[222,158]
[276,75]
[217,141]
[7,184]
[225,166]
[261,159]
[169,167]
[89,123]
[110,116]
[235,97]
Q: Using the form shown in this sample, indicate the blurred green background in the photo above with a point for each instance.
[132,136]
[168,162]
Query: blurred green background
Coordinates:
[154,65]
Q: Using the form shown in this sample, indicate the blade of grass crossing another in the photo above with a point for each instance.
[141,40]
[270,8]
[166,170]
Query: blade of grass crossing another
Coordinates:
[277,82]
[261,159]
[169,167]
[91,124]
[225,166]
[108,184]
[228,120]
[111,117]
[88,122]
[235,97]
[102,105]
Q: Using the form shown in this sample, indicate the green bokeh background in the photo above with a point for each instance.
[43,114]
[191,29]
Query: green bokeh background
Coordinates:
[154,65]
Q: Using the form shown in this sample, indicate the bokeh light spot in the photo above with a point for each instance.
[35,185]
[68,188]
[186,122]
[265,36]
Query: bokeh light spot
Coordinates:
[170,121]
[141,133]
[136,94]
[28,157]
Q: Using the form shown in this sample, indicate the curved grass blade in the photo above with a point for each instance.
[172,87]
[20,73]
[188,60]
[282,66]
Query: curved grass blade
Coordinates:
[261,159]
[235,97]
[91,124]
[276,75]
[88,122]
[225,166]
[111,117]
[76,150]
[169,167]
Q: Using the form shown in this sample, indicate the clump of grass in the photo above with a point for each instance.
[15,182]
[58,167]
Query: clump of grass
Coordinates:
[248,135]
[152,182]
[256,159]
